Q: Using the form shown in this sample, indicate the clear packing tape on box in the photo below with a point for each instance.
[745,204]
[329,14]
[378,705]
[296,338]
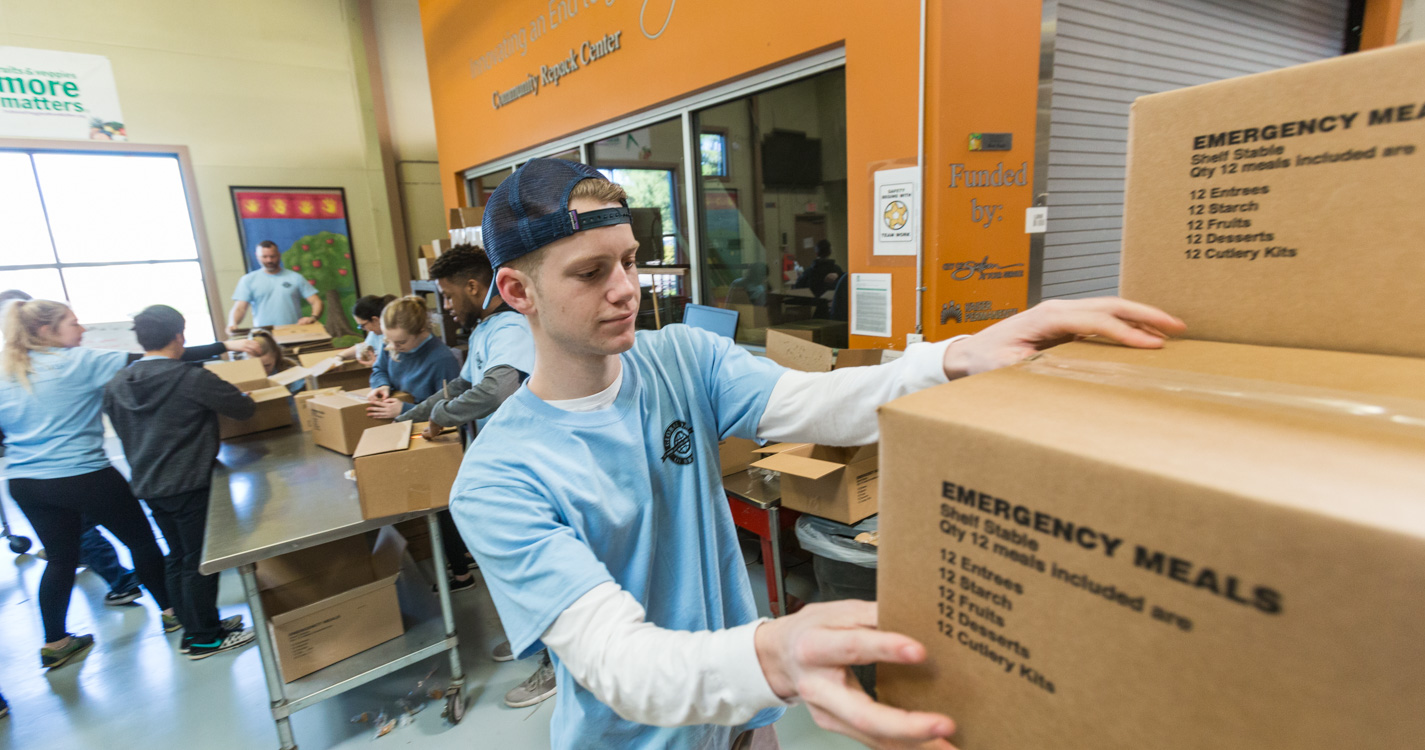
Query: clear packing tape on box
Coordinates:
[1399,415]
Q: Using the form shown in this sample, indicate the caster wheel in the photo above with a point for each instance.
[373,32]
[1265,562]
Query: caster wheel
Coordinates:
[19,544]
[454,707]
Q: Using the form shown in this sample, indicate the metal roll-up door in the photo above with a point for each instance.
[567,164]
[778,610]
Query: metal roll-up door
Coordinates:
[1109,52]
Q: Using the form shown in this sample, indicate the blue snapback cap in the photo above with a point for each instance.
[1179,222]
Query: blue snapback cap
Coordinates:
[530,209]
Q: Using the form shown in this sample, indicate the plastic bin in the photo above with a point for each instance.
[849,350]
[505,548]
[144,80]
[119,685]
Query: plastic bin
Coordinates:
[844,568]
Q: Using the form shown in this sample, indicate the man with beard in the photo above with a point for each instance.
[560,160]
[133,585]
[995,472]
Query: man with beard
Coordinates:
[275,293]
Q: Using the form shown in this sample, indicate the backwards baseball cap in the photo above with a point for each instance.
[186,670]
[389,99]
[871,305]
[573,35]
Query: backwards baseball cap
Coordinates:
[530,209]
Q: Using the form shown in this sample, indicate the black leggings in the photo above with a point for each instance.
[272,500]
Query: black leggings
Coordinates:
[56,508]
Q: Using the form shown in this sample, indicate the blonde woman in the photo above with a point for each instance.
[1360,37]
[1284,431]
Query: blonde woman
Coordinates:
[413,360]
[51,390]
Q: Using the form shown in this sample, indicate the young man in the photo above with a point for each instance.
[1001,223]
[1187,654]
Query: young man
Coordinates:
[594,498]
[275,293]
[501,356]
[166,415]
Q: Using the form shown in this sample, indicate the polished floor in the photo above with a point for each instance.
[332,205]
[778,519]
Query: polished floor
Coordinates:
[134,690]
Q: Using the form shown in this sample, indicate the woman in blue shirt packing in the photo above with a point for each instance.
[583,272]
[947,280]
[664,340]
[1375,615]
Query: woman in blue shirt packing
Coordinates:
[51,391]
[413,360]
[367,312]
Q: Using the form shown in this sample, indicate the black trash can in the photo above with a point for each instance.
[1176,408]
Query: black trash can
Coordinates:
[844,568]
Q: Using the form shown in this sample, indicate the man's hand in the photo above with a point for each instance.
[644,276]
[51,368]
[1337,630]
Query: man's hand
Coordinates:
[379,393]
[306,321]
[387,409]
[432,431]
[1057,322]
[250,347]
[806,655]
[232,329]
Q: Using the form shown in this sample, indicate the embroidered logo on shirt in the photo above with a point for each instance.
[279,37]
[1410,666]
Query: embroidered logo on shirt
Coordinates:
[678,443]
[286,285]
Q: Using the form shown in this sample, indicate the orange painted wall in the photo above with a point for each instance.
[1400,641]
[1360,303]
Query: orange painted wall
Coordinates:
[704,44]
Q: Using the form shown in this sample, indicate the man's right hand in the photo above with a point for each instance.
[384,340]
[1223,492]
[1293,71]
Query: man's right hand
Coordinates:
[232,329]
[806,655]
[379,394]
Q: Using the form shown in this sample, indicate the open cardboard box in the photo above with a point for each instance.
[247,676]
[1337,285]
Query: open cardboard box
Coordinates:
[304,414]
[330,369]
[736,454]
[1204,546]
[300,334]
[798,353]
[836,483]
[399,472]
[333,601]
[271,394]
[339,419]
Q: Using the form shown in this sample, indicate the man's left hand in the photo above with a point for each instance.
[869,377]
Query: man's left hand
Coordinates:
[306,321]
[1057,322]
[388,408]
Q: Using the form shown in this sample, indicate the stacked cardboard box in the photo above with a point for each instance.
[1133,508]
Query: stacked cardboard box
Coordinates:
[339,419]
[398,472]
[273,399]
[1214,544]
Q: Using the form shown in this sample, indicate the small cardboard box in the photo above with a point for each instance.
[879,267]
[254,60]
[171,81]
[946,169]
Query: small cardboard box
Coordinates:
[1204,546]
[273,399]
[1284,208]
[397,472]
[333,601]
[736,454]
[300,334]
[339,419]
[831,333]
[346,373]
[466,216]
[304,415]
[836,483]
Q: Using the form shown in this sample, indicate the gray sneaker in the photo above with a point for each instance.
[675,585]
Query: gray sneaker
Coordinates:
[537,689]
[502,652]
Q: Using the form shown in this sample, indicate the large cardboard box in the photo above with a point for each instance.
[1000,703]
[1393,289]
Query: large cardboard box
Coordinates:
[347,374]
[304,415]
[330,602]
[398,472]
[273,399]
[1285,208]
[339,419]
[836,483]
[831,333]
[1205,546]
[800,353]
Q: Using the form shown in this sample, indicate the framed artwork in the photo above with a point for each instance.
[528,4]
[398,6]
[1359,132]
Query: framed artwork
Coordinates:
[310,229]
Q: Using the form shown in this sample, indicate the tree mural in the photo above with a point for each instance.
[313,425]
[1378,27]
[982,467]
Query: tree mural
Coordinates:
[324,259]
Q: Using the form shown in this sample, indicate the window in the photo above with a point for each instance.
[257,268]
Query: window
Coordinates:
[713,147]
[773,221]
[108,233]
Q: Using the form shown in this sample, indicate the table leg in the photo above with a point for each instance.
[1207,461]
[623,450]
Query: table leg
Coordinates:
[248,573]
[775,581]
[447,611]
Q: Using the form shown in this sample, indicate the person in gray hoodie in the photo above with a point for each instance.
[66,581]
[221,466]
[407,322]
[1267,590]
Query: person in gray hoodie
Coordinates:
[165,413]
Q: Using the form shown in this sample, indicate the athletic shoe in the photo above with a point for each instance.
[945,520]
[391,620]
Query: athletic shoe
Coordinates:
[225,626]
[4,707]
[121,598]
[537,689]
[51,658]
[458,585]
[228,642]
[171,624]
[502,652]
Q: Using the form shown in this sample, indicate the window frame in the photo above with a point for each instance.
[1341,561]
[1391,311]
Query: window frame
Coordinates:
[190,192]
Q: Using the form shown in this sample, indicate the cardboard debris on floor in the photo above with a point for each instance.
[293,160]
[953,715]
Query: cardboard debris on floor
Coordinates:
[1205,546]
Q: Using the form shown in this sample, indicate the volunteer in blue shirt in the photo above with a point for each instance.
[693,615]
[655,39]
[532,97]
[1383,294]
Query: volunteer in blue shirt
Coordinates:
[413,360]
[593,498]
[51,391]
[367,312]
[274,293]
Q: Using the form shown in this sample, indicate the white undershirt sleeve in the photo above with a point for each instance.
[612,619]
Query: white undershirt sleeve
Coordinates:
[839,407]
[655,676]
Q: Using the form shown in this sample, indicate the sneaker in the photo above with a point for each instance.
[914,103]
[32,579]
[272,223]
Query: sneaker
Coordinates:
[537,689]
[225,626]
[457,584]
[234,640]
[119,599]
[50,658]
[4,707]
[502,652]
[171,624]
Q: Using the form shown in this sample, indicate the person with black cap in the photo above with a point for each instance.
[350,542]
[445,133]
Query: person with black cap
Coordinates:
[593,498]
[165,413]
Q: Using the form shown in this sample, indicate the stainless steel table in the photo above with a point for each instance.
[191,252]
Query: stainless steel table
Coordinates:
[277,492]
[756,506]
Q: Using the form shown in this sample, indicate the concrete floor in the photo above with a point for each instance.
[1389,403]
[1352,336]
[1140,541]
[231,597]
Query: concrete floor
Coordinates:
[134,690]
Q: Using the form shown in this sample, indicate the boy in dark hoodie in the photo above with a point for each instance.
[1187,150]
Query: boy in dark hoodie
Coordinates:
[165,412]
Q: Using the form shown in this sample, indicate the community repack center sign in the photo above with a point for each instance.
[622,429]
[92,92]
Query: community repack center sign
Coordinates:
[50,94]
